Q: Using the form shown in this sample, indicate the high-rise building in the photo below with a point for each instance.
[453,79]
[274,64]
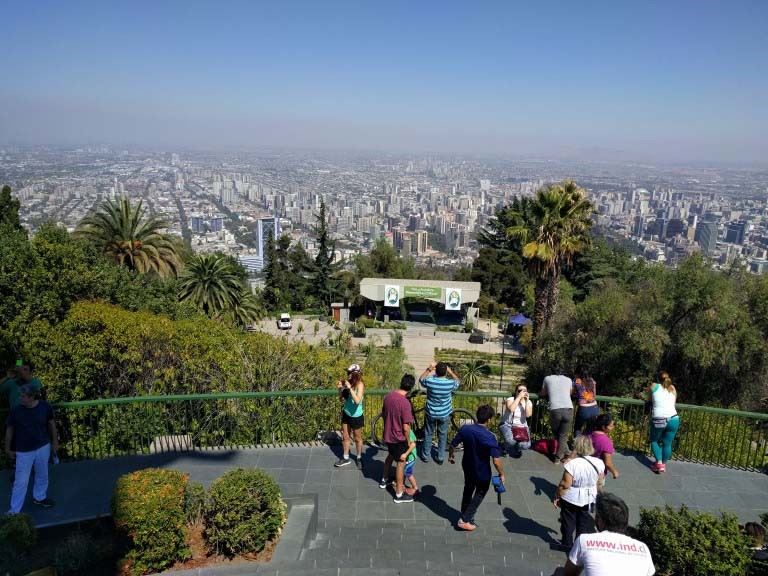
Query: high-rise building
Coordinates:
[266,227]
[419,242]
[735,232]
[197,223]
[216,223]
[675,227]
[706,236]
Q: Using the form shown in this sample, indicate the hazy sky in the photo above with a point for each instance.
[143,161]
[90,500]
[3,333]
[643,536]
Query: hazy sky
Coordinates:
[670,80]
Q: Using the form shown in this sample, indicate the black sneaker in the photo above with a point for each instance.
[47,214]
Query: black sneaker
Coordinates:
[404,497]
[359,463]
[383,483]
[342,462]
[45,503]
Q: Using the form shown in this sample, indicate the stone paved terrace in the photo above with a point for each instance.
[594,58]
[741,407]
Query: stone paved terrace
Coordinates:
[361,530]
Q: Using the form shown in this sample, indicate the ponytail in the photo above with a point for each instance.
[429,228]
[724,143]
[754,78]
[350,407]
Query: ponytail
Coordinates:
[666,381]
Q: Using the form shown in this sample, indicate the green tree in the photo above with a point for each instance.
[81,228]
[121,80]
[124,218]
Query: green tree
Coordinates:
[300,270]
[9,209]
[552,229]
[324,269]
[278,284]
[212,284]
[132,238]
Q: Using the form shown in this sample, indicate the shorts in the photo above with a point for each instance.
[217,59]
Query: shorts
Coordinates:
[354,422]
[409,466]
[397,449]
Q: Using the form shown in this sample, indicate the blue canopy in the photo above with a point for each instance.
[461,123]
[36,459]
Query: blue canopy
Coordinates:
[519,320]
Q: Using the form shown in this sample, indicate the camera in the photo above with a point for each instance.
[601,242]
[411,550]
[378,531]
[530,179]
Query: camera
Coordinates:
[345,392]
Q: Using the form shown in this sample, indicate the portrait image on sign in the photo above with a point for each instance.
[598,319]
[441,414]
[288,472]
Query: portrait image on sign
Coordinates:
[391,296]
[453,298]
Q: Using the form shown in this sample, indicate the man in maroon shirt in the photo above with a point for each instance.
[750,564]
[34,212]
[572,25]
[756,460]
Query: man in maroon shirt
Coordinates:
[398,418]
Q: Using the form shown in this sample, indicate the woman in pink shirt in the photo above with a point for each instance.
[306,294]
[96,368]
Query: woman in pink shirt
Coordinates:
[599,429]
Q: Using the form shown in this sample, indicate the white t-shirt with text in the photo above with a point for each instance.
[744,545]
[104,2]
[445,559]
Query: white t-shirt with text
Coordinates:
[610,553]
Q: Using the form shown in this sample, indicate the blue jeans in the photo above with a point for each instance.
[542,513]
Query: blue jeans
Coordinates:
[442,437]
[662,439]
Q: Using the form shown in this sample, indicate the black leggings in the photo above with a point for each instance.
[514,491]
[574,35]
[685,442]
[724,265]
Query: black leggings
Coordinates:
[574,519]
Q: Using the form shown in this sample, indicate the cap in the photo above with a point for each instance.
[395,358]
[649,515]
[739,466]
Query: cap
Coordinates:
[354,368]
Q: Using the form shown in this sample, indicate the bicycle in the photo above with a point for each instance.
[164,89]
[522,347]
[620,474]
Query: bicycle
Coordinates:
[458,418]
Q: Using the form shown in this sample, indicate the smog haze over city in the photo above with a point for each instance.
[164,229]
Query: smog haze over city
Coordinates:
[413,122]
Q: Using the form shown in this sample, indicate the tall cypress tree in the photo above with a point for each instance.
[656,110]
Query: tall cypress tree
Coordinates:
[9,209]
[324,269]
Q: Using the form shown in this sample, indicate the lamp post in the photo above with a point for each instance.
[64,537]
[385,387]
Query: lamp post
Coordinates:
[503,342]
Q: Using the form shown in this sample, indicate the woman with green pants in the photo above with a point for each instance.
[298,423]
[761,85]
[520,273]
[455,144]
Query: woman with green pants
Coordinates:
[664,421]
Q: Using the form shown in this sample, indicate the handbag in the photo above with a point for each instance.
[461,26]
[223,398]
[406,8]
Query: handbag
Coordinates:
[660,422]
[520,434]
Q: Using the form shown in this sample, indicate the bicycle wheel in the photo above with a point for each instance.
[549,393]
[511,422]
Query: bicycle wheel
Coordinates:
[377,432]
[459,417]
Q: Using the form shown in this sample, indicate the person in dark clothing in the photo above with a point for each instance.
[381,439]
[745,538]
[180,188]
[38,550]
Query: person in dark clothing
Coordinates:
[30,439]
[480,447]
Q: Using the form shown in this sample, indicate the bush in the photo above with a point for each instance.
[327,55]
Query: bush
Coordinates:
[685,543]
[79,552]
[18,532]
[17,536]
[243,512]
[149,508]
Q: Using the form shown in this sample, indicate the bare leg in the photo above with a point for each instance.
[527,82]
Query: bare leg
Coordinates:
[387,467]
[345,441]
[399,478]
[359,442]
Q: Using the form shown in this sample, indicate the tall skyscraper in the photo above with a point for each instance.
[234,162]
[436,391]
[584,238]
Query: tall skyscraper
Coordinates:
[735,233]
[706,236]
[265,228]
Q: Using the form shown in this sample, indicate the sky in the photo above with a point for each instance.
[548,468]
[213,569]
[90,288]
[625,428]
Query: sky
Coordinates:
[668,81]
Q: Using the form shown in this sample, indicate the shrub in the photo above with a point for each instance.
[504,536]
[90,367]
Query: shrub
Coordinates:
[243,512]
[79,552]
[685,543]
[18,532]
[149,508]
[17,535]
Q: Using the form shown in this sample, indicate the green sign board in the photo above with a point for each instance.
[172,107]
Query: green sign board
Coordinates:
[422,292]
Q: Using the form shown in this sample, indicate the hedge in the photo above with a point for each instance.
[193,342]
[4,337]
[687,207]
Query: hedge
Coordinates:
[149,508]
[685,543]
[243,511]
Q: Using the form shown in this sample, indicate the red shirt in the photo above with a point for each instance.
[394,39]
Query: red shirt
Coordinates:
[397,413]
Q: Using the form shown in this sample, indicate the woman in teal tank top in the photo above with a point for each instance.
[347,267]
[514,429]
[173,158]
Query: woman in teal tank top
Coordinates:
[351,391]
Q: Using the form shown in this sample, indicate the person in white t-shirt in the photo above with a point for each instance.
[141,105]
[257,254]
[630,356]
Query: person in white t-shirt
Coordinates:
[578,490]
[514,422]
[610,551]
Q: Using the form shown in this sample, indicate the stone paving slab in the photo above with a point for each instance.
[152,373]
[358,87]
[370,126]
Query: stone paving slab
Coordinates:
[83,489]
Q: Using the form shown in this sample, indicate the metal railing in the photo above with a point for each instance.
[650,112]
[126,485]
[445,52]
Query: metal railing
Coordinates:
[148,424]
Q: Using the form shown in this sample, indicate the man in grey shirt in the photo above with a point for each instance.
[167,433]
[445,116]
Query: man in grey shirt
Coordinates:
[558,389]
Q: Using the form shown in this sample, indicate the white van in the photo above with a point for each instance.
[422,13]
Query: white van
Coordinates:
[285,321]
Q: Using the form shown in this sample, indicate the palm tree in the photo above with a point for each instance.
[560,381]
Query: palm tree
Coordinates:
[128,235]
[213,284]
[553,229]
[471,373]
[244,310]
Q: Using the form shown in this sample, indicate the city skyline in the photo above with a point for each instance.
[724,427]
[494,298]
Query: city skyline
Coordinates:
[654,82]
